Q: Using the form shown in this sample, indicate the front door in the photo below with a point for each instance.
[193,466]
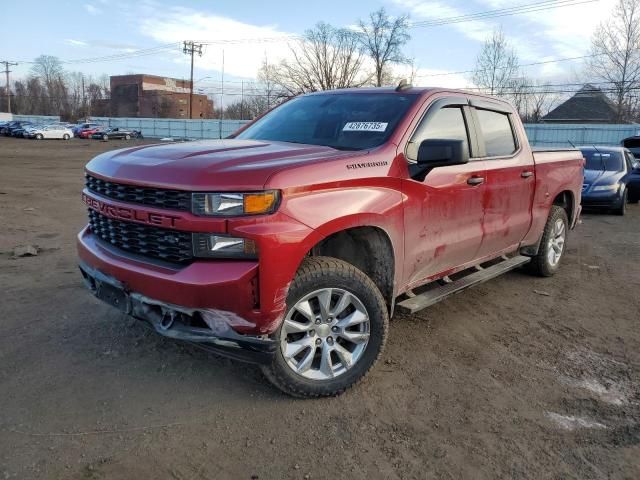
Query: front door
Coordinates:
[443,211]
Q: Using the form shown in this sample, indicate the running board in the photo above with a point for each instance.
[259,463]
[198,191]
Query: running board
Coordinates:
[481,275]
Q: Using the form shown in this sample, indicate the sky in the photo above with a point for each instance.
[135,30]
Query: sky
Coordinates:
[246,32]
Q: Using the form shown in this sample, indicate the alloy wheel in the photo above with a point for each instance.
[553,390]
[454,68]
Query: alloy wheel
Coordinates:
[556,242]
[325,334]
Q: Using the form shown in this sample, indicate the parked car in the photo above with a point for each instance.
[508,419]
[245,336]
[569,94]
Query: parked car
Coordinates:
[87,132]
[55,131]
[292,242]
[633,144]
[611,177]
[116,133]
[83,126]
[4,127]
[15,125]
[29,128]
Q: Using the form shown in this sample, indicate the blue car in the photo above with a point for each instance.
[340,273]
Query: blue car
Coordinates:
[611,178]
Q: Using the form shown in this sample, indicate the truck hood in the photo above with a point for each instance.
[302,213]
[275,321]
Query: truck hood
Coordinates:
[208,165]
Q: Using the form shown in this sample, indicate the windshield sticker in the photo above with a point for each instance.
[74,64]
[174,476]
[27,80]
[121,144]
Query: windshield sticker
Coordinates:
[365,127]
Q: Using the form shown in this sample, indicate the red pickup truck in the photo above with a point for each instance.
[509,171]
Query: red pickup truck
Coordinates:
[292,243]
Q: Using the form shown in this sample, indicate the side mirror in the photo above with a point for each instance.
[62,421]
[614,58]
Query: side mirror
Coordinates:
[440,153]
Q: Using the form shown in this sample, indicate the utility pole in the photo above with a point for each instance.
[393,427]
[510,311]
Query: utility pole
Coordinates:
[8,64]
[221,98]
[84,99]
[191,48]
[242,102]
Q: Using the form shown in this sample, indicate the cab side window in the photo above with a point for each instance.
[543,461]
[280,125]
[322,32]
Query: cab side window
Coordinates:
[495,130]
[448,123]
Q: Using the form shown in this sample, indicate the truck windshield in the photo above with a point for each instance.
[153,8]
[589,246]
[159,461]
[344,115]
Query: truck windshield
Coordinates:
[603,160]
[349,121]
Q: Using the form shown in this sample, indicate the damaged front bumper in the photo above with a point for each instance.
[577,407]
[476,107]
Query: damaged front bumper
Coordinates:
[208,328]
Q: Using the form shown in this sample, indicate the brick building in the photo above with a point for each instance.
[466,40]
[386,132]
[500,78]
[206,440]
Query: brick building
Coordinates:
[150,96]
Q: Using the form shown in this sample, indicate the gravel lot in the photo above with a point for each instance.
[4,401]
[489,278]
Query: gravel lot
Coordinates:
[521,377]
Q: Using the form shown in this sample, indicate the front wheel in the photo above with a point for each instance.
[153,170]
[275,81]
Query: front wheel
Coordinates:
[65,136]
[127,137]
[552,245]
[622,209]
[333,332]
[39,136]
[105,137]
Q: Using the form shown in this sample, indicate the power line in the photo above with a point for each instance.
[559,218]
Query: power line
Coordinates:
[582,57]
[502,12]
[516,10]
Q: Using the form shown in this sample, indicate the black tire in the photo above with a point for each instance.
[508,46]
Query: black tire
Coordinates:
[622,208]
[540,264]
[65,136]
[127,137]
[314,274]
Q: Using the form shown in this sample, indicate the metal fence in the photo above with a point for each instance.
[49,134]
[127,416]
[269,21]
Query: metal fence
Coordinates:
[540,134]
[175,128]
[563,135]
[36,118]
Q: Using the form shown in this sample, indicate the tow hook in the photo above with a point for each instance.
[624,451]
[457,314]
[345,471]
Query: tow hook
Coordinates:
[168,317]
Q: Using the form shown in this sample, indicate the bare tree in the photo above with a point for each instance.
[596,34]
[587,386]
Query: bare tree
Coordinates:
[382,39]
[325,58]
[496,66]
[47,68]
[616,55]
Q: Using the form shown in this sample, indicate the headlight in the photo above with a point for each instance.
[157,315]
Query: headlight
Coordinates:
[213,245]
[606,188]
[235,204]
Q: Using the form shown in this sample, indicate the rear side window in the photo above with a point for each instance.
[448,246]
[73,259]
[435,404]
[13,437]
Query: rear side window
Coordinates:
[497,133]
[446,124]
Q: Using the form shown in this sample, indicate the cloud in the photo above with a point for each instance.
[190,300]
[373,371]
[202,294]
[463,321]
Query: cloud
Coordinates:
[245,45]
[92,10]
[75,43]
[430,10]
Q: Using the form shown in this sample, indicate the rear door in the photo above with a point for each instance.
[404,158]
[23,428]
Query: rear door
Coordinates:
[443,210]
[510,177]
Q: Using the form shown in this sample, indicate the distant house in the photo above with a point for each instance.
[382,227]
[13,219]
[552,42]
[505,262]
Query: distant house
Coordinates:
[589,105]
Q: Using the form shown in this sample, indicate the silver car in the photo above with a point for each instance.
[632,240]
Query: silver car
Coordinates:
[51,131]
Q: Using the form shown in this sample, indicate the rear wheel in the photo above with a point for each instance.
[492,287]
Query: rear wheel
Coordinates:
[127,137]
[333,332]
[552,245]
[39,136]
[105,137]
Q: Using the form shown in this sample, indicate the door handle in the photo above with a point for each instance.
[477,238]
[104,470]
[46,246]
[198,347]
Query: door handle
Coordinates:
[526,174]
[475,180]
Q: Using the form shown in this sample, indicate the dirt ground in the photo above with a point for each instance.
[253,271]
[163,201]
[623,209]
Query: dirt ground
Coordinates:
[521,377]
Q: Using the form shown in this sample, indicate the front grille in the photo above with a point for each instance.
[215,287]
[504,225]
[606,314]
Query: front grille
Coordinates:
[161,243]
[155,197]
